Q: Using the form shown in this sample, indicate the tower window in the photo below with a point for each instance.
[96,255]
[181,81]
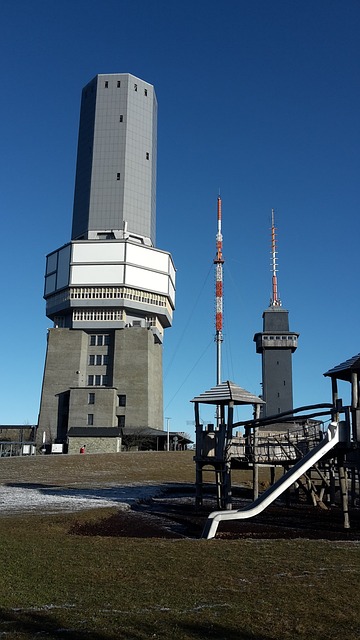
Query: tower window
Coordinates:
[118,84]
[135,87]
[90,419]
[98,360]
[121,421]
[91,360]
[106,84]
[145,92]
[97,381]
[147,155]
[91,398]
[122,400]
[121,118]
[118,176]
[99,340]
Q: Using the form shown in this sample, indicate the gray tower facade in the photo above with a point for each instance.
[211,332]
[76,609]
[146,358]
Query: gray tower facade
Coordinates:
[276,345]
[109,292]
[115,186]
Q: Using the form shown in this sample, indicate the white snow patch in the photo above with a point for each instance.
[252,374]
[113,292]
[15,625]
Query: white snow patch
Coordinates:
[21,498]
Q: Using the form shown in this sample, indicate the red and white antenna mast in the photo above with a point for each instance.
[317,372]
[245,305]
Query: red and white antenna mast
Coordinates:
[275,300]
[219,261]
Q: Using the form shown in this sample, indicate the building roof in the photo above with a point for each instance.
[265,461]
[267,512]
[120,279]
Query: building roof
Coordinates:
[154,433]
[344,370]
[227,392]
[94,432]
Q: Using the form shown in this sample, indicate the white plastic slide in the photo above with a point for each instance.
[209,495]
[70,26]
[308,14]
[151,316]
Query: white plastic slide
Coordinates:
[331,438]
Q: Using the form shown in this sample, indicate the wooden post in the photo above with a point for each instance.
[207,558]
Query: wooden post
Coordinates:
[255,455]
[227,466]
[343,490]
[335,396]
[332,482]
[354,390]
[272,475]
[198,463]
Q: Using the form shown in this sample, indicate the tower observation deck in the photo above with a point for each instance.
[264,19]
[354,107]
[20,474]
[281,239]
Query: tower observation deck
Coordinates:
[109,291]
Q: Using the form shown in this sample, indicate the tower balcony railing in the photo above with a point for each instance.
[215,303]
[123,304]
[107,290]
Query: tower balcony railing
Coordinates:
[109,293]
[276,341]
[109,315]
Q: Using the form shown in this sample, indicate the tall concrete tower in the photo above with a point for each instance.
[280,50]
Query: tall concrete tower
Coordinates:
[109,292]
[276,345]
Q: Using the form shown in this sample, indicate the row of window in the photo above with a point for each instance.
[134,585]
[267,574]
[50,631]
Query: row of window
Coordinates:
[96,360]
[111,315]
[121,399]
[98,293]
[98,381]
[120,420]
[278,337]
[81,315]
[99,340]
[118,84]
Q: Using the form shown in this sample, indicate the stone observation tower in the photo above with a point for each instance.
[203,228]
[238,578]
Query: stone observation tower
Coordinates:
[109,292]
[276,345]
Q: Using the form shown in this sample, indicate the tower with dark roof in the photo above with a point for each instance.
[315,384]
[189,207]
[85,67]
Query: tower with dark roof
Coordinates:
[276,343]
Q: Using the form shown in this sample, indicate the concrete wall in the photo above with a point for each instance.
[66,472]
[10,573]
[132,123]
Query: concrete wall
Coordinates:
[138,375]
[277,381]
[65,357]
[95,445]
[103,408]
[134,370]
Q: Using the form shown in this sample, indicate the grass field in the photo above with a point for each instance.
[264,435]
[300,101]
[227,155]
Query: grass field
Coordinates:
[57,584]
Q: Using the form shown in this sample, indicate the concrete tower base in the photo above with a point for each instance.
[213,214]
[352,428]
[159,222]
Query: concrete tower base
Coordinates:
[101,379]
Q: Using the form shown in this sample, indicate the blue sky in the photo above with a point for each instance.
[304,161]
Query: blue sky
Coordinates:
[260,99]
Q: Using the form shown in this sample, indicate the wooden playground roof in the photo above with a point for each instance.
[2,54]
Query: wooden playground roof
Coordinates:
[344,370]
[227,392]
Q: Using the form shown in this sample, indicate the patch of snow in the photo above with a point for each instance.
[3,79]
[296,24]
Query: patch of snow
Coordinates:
[27,498]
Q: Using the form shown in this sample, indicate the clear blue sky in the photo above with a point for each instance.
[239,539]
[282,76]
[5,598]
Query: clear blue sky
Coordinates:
[260,98]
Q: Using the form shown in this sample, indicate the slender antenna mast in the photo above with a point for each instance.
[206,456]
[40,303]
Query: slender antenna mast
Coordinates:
[275,300]
[219,261]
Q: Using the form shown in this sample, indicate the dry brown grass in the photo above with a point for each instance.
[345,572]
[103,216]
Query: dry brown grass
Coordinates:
[99,469]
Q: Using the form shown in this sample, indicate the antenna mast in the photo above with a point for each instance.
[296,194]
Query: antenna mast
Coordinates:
[218,262]
[275,300]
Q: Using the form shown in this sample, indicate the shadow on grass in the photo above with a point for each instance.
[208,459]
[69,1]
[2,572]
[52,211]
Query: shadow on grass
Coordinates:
[220,632]
[28,624]
[130,524]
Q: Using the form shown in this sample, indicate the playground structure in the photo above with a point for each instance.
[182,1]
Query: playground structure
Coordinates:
[293,440]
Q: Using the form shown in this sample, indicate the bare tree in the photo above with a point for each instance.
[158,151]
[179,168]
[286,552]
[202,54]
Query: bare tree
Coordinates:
[138,438]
